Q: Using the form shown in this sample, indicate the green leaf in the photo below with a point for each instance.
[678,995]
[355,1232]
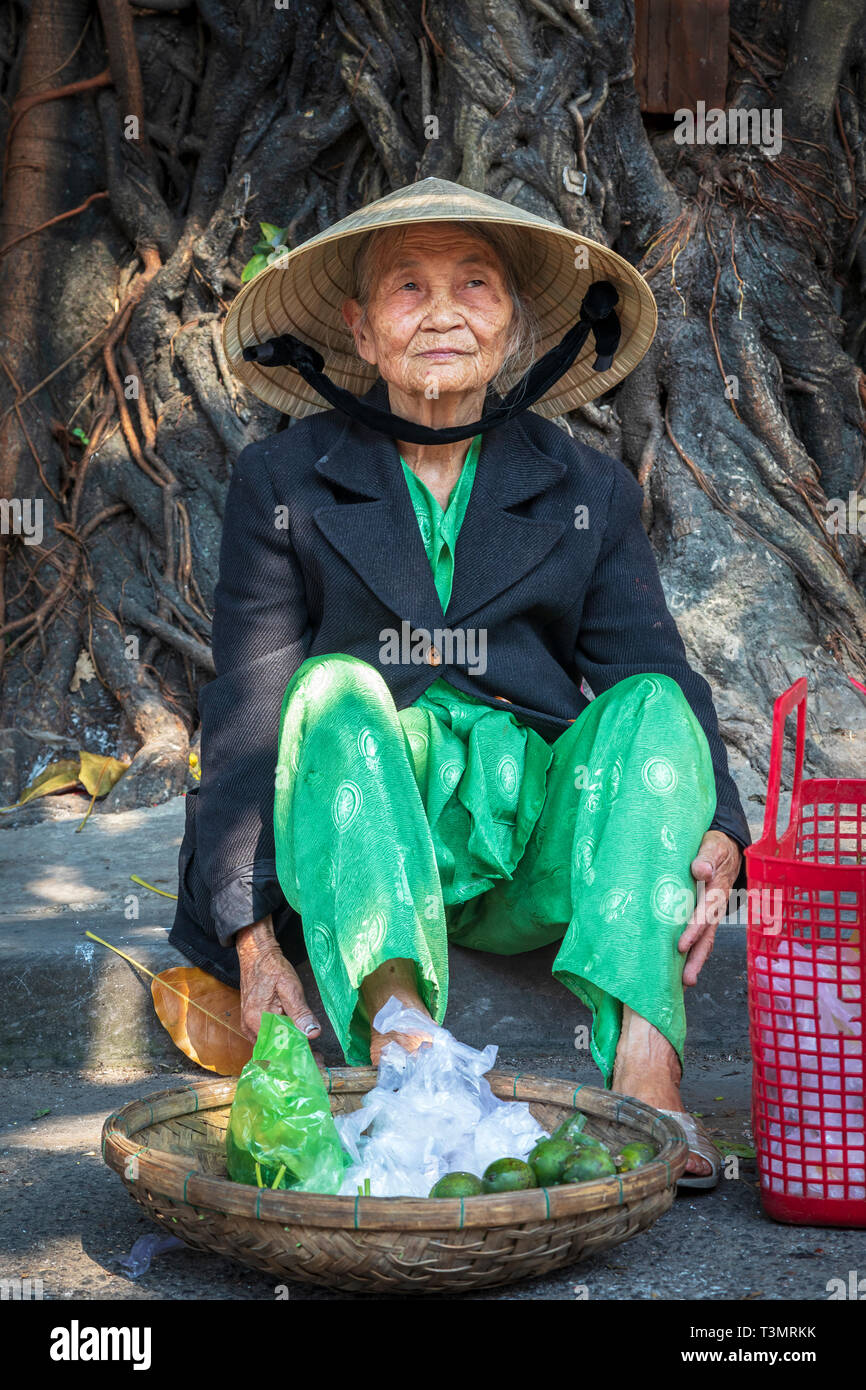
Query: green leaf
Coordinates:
[253,267]
[270,231]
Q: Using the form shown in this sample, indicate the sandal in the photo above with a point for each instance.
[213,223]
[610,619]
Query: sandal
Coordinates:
[699,1143]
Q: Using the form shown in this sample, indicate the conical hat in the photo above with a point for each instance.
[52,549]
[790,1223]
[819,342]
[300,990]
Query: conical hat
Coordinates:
[303,292]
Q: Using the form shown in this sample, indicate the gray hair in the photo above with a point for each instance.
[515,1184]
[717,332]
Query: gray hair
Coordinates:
[513,251]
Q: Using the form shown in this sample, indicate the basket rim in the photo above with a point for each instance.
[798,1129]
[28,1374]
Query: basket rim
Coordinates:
[168,1174]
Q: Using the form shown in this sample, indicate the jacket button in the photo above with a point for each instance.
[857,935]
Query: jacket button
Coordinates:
[433,657]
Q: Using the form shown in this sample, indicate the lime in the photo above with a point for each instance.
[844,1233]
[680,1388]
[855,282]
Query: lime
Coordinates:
[588,1141]
[634,1155]
[572,1130]
[457,1185]
[548,1159]
[588,1164]
[508,1175]
[570,1127]
[577,1140]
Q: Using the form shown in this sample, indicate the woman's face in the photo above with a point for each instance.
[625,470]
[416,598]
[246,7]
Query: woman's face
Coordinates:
[438,314]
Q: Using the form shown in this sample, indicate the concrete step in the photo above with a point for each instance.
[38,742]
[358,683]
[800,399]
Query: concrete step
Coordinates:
[71,1003]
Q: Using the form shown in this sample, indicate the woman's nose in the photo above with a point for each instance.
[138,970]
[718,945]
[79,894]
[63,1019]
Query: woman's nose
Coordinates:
[442,311]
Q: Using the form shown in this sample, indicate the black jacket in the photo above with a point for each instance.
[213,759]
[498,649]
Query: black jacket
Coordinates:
[552,563]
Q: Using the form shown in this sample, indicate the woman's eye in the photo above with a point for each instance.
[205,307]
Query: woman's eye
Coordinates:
[410,284]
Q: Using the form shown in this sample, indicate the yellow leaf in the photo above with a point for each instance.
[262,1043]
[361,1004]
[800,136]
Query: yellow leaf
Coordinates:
[99,773]
[61,776]
[203,1017]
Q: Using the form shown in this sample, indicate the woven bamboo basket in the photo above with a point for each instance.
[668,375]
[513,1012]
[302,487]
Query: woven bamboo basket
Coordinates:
[169,1149]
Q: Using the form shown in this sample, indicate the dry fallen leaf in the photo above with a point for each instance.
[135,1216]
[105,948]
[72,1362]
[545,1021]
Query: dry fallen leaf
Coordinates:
[84,670]
[203,1017]
[99,773]
[96,772]
[61,776]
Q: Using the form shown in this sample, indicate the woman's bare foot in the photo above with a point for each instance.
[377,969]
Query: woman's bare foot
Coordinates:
[647,1067]
[395,977]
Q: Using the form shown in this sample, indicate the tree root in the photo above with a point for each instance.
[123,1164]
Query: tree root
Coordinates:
[298,116]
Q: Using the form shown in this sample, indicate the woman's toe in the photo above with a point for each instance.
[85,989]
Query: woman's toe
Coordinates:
[698,1165]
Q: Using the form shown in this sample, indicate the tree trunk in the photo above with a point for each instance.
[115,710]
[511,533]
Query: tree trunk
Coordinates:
[187,124]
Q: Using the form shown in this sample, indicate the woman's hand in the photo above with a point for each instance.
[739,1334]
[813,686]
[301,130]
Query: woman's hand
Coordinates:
[268,982]
[716,865]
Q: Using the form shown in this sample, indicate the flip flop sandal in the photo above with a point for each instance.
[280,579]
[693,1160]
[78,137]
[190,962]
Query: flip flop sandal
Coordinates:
[701,1144]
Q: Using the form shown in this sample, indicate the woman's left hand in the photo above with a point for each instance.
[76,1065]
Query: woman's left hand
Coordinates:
[716,865]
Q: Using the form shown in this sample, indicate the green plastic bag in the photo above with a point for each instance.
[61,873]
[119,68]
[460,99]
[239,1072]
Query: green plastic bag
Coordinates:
[281,1132]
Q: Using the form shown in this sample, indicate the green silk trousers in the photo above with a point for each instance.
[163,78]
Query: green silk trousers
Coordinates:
[399,831]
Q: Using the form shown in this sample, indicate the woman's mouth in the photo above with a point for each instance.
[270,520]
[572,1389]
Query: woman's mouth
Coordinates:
[442,354]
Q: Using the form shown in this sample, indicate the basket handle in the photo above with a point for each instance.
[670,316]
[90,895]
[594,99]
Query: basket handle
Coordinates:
[793,698]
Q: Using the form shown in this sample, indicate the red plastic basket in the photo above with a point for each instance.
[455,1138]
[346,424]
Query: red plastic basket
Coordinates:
[807,984]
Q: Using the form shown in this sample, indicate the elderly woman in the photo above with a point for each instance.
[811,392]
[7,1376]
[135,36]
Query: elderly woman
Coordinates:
[414,586]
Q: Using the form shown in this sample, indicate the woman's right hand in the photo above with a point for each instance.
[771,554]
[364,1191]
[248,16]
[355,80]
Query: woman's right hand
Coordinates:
[269,984]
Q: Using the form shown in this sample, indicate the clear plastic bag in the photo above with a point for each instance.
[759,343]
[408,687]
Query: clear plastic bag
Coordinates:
[138,1261]
[431,1112]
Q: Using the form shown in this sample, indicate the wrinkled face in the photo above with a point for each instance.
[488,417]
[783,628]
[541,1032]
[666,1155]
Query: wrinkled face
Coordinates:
[438,314]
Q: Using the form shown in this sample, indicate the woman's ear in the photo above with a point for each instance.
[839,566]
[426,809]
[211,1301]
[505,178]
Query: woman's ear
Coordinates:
[351,311]
[354,315]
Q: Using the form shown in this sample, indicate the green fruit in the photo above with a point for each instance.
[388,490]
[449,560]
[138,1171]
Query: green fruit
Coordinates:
[457,1185]
[588,1141]
[634,1155]
[548,1159]
[588,1164]
[571,1127]
[508,1175]
[576,1138]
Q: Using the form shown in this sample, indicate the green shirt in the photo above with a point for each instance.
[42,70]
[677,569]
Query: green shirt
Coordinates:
[439,532]
[440,529]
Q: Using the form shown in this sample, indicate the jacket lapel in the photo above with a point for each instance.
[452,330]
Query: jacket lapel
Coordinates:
[379,537]
[377,532]
[495,548]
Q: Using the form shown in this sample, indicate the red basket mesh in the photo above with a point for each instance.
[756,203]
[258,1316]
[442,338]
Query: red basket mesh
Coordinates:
[807,909]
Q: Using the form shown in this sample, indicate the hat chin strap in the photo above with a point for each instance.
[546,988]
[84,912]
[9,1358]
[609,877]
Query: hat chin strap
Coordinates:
[596,315]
